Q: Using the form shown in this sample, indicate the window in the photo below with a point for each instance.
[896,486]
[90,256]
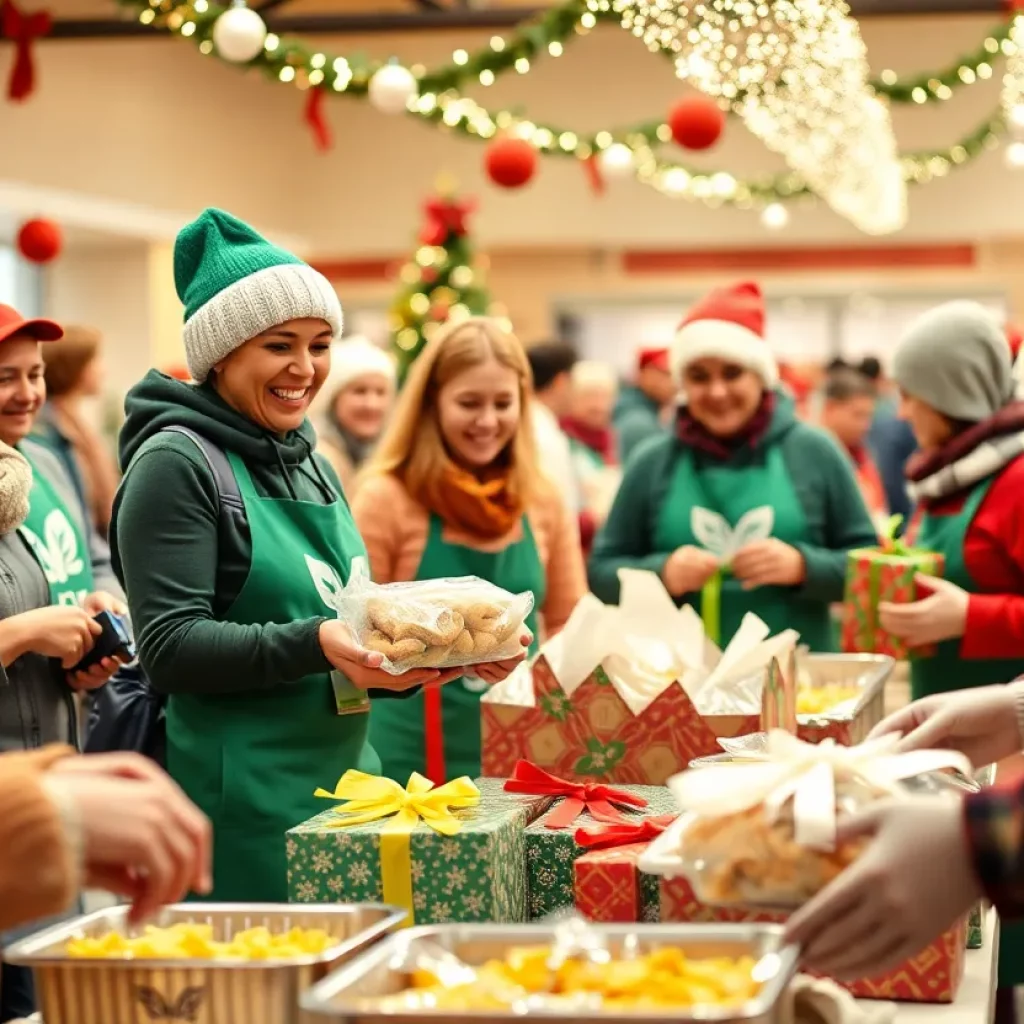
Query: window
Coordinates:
[20,283]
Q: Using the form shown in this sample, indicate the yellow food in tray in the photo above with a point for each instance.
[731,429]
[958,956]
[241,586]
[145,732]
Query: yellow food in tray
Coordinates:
[666,978]
[820,700]
[189,941]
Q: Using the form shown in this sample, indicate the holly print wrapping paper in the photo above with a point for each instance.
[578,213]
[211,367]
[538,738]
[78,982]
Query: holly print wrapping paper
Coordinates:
[933,976]
[478,874]
[551,853]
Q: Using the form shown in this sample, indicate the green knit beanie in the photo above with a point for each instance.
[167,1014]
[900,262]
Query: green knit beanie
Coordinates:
[235,284]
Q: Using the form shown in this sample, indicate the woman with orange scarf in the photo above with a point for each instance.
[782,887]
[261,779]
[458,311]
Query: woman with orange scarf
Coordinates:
[454,490]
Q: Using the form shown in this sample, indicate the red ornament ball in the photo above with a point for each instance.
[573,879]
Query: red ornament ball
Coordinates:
[697,122]
[510,162]
[40,240]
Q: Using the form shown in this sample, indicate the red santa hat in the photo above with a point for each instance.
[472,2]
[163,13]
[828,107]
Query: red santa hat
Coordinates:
[728,323]
[656,357]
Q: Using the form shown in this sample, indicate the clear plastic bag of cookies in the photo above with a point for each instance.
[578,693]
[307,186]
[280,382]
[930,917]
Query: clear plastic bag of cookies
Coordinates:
[447,623]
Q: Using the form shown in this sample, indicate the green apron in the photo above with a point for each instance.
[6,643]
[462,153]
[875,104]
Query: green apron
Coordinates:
[252,760]
[947,671]
[58,544]
[732,493]
[398,727]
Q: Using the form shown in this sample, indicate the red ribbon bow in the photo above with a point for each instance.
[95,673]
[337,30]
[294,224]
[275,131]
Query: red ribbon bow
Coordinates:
[23,30]
[622,835]
[444,217]
[314,116]
[596,799]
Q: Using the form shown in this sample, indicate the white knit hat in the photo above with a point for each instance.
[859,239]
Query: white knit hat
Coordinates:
[352,358]
[728,324]
[234,285]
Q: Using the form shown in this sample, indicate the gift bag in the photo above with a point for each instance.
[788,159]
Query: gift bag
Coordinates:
[631,694]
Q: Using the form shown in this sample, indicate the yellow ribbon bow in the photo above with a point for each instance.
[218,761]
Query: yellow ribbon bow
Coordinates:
[370,798]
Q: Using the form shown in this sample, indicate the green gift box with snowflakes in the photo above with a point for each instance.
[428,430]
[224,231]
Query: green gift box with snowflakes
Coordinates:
[552,848]
[455,852]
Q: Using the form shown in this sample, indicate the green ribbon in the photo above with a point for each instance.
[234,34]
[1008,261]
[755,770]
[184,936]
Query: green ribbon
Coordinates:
[711,607]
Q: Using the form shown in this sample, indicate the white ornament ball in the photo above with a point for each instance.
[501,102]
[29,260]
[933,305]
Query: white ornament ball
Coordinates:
[775,216]
[239,34]
[1015,154]
[617,161]
[391,88]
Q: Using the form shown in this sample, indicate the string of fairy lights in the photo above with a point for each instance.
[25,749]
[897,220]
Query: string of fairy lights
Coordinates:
[775,89]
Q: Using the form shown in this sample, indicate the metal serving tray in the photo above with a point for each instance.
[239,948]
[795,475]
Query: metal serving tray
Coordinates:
[93,991]
[872,671]
[383,970]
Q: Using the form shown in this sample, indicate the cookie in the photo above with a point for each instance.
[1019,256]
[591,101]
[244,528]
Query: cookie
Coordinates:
[440,630]
[464,644]
[484,643]
[393,650]
[483,616]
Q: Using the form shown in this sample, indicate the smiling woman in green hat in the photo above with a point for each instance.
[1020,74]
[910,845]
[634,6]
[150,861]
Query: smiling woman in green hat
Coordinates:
[232,538]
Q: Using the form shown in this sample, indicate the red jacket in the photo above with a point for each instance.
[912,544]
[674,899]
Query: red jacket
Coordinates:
[994,555]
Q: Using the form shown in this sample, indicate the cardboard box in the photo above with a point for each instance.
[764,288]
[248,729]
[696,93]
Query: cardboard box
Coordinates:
[608,698]
[478,874]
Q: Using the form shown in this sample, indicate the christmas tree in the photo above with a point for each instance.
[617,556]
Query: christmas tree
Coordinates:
[441,282]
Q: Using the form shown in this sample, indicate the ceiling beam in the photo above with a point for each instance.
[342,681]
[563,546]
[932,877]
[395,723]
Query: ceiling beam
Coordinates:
[466,18]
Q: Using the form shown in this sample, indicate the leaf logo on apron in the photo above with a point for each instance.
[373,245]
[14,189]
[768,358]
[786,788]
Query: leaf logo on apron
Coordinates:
[57,552]
[718,537]
[326,580]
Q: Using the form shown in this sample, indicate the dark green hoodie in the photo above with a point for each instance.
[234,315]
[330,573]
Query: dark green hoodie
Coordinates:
[637,418]
[837,519]
[180,567]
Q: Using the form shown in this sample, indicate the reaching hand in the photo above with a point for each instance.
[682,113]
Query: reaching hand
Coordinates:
[768,563]
[687,570]
[100,601]
[940,616]
[142,837]
[982,724]
[362,667]
[58,631]
[892,901]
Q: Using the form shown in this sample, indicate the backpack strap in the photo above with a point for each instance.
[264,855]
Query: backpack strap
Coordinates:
[229,496]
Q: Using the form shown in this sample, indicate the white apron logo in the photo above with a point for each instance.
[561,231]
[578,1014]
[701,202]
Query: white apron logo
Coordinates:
[57,552]
[327,582]
[718,537]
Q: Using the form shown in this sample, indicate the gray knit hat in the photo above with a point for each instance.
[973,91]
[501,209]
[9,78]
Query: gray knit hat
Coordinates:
[957,359]
[234,285]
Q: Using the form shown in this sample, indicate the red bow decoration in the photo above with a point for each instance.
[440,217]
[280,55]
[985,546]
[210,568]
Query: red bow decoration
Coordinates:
[592,170]
[444,217]
[314,117]
[622,835]
[23,30]
[596,799]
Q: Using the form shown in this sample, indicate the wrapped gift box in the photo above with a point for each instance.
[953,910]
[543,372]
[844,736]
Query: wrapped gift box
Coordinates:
[874,575]
[552,853]
[477,874]
[609,887]
[933,976]
[612,696]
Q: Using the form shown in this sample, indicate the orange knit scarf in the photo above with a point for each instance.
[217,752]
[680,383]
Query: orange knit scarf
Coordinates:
[484,508]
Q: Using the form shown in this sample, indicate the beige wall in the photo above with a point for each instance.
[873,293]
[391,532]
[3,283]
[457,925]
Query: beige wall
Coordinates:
[153,122]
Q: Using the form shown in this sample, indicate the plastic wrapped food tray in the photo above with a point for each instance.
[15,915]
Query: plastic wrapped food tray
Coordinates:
[347,994]
[124,991]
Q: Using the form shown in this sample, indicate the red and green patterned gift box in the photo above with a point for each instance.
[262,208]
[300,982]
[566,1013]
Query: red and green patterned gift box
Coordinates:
[874,575]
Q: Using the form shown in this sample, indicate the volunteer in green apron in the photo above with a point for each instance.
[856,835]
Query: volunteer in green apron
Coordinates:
[454,490]
[743,508]
[233,540]
[954,367]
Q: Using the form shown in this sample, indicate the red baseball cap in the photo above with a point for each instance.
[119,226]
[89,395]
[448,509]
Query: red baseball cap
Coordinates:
[656,357]
[12,322]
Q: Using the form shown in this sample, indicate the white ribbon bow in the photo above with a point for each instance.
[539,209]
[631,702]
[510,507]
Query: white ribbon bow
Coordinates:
[807,773]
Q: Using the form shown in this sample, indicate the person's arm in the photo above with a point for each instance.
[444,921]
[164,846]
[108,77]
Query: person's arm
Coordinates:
[167,518]
[846,524]
[382,511]
[39,832]
[994,820]
[566,574]
[994,553]
[625,541]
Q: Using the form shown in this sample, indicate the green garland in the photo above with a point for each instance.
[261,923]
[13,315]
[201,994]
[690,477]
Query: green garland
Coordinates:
[291,60]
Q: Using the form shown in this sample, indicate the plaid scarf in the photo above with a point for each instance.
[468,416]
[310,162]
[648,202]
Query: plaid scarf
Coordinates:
[973,455]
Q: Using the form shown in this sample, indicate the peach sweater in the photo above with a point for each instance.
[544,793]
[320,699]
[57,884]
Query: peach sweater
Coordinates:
[395,528]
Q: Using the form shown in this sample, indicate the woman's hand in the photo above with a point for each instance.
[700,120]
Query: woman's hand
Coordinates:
[362,667]
[687,570]
[492,672]
[892,901]
[981,724]
[940,616]
[142,837]
[769,563]
[58,631]
[93,678]
[100,601]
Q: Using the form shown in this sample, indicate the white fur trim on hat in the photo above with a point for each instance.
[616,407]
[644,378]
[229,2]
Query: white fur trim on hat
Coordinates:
[722,339]
[289,291]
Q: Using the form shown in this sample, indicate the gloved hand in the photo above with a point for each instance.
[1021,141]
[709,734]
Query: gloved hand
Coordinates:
[914,879]
[982,724]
